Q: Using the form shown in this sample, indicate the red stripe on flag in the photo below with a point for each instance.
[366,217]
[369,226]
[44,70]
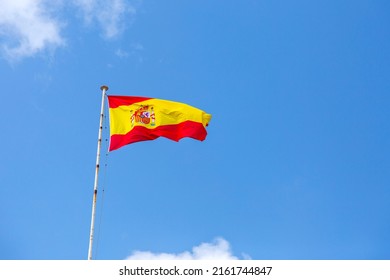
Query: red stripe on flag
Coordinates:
[115,101]
[174,132]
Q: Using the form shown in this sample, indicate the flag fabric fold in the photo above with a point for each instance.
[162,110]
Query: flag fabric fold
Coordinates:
[134,119]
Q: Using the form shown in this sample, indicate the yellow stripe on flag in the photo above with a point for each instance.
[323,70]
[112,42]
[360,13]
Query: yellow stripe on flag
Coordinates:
[166,113]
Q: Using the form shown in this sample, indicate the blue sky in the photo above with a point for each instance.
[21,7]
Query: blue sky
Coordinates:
[296,162]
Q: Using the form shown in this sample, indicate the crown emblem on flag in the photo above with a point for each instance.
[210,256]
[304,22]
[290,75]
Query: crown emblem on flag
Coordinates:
[143,115]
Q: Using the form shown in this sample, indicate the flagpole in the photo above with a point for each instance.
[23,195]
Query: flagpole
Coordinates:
[104,89]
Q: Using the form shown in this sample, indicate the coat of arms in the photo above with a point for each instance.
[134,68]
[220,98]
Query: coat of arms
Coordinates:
[143,115]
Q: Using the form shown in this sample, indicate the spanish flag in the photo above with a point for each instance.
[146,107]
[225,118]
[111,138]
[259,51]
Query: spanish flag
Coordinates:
[135,119]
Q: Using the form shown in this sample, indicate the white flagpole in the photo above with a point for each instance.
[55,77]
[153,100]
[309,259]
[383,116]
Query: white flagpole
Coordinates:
[104,89]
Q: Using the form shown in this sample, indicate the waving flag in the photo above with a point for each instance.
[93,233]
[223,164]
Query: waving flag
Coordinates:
[134,119]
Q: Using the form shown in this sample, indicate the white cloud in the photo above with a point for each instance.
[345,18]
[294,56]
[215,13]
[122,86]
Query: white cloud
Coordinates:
[134,51]
[219,249]
[121,53]
[111,15]
[26,28]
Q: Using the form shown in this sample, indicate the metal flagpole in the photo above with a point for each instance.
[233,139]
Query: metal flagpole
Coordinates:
[104,89]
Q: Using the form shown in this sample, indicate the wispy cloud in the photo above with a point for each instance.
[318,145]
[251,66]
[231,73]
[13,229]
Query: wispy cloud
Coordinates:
[121,53]
[135,52]
[26,28]
[111,15]
[219,249]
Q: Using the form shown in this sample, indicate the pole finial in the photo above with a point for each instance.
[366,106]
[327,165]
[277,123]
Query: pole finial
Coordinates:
[104,87]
